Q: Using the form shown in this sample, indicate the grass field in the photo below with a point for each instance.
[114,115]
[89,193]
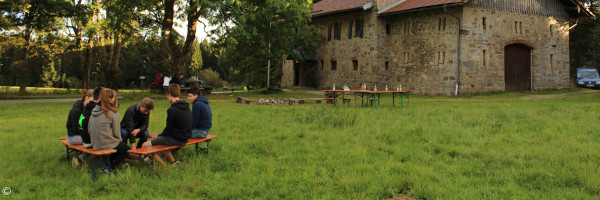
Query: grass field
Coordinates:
[539,145]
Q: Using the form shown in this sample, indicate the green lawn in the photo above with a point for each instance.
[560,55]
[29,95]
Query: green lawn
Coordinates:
[538,145]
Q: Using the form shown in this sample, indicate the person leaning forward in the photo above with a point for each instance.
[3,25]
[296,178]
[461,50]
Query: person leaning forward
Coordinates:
[135,123]
[179,125]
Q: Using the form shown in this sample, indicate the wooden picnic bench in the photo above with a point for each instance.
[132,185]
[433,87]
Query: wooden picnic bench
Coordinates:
[103,154]
[158,148]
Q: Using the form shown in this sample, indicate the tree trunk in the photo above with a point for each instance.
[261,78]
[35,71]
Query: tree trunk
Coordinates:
[114,66]
[179,56]
[88,64]
[24,68]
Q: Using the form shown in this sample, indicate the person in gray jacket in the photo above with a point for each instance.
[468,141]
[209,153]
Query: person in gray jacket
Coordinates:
[105,129]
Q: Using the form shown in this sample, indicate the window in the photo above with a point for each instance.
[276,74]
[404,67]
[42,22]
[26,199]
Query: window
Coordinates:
[387,65]
[388,29]
[355,64]
[520,27]
[333,65]
[322,65]
[442,24]
[406,58]
[359,27]
[484,23]
[406,27]
[551,61]
[329,32]
[484,63]
[338,31]
[350,26]
[441,57]
[551,33]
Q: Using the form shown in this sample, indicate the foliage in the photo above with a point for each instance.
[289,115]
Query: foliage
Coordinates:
[260,31]
[211,78]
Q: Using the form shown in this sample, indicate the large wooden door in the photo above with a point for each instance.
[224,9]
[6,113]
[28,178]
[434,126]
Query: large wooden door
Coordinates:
[517,67]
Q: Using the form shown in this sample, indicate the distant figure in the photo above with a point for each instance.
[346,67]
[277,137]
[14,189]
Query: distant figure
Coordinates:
[167,80]
[179,125]
[105,129]
[158,81]
[174,80]
[135,123]
[201,113]
[181,81]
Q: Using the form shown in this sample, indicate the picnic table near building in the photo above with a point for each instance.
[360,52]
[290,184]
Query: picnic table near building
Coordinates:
[372,98]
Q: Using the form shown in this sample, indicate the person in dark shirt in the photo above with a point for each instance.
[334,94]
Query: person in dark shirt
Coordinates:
[179,125]
[201,113]
[181,81]
[74,129]
[135,123]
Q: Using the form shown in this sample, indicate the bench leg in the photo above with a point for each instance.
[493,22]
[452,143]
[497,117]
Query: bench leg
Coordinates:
[200,149]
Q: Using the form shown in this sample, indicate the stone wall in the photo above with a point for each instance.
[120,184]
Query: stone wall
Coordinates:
[287,74]
[343,51]
[500,30]
[420,50]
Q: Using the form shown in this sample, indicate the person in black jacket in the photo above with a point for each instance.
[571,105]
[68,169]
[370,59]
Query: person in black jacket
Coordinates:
[179,125]
[74,130]
[135,123]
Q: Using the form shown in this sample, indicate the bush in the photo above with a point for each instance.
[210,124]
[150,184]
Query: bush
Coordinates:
[73,82]
[211,78]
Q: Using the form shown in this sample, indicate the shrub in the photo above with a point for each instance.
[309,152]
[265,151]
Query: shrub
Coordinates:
[211,78]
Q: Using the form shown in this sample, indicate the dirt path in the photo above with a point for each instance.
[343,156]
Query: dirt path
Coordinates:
[38,101]
[310,92]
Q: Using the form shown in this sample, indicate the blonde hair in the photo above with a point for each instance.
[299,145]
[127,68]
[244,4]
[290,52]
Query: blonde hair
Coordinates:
[106,96]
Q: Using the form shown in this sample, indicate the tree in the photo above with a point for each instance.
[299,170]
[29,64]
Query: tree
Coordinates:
[262,31]
[31,16]
[179,51]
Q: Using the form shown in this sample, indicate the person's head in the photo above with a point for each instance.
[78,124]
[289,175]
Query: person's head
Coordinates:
[109,100]
[194,93]
[96,93]
[146,106]
[87,96]
[180,75]
[173,92]
[158,75]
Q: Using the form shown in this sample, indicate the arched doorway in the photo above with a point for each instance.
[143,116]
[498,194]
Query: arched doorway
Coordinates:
[517,67]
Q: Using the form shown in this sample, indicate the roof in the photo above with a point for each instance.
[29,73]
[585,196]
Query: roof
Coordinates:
[334,6]
[414,4]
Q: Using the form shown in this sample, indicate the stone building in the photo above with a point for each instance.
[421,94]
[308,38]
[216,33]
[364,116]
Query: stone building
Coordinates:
[440,47]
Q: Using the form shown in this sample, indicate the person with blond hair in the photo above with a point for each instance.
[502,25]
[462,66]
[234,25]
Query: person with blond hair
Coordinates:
[179,125]
[135,123]
[104,128]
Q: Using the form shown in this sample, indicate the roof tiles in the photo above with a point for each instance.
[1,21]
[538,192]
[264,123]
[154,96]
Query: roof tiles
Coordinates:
[332,6]
[414,4]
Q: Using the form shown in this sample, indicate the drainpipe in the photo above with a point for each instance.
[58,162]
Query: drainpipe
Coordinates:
[457,51]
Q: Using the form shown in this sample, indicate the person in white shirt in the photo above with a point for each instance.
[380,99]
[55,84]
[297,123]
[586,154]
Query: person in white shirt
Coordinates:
[167,80]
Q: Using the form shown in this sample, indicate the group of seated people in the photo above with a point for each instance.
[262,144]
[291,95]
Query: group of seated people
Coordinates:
[94,122]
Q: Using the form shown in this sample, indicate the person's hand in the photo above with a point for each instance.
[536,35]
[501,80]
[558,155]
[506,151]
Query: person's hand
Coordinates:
[135,132]
[133,146]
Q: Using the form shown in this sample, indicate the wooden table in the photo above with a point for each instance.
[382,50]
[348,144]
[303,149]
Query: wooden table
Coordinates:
[373,97]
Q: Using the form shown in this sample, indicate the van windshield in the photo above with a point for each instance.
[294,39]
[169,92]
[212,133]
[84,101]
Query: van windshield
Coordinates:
[587,74]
